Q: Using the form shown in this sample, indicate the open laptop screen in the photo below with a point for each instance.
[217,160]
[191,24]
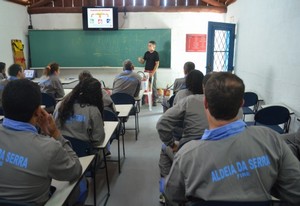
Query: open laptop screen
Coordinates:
[29,74]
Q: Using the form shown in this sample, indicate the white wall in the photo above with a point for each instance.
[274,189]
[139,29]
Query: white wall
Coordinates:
[13,25]
[180,23]
[267,53]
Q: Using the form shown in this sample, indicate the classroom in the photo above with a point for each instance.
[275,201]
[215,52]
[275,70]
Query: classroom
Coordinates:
[265,58]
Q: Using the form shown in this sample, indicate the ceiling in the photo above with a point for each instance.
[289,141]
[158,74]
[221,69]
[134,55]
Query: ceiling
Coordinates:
[74,6]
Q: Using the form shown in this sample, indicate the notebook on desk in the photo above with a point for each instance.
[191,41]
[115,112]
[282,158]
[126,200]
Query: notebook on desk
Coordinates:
[29,74]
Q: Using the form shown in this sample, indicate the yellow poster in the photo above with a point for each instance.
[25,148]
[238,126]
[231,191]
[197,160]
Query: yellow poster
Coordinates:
[17,48]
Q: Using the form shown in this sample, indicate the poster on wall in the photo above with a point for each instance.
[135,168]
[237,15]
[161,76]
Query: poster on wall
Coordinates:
[18,54]
[196,43]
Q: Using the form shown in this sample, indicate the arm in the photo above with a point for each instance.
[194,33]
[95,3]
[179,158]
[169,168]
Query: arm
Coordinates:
[141,60]
[59,90]
[175,187]
[172,118]
[287,185]
[155,68]
[65,164]
[96,125]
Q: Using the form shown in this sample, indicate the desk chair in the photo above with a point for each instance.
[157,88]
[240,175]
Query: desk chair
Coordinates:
[111,116]
[250,100]
[49,102]
[84,148]
[273,117]
[123,98]
[229,203]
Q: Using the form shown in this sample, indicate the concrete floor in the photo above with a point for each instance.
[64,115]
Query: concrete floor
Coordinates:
[138,183]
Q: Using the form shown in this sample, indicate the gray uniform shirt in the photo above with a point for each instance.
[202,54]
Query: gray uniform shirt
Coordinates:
[243,167]
[127,82]
[189,114]
[179,84]
[108,102]
[181,95]
[3,83]
[52,86]
[86,124]
[28,162]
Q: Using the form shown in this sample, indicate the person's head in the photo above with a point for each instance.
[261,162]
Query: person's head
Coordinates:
[2,68]
[188,67]
[84,75]
[151,46]
[87,92]
[15,70]
[193,82]
[52,69]
[21,99]
[224,93]
[128,65]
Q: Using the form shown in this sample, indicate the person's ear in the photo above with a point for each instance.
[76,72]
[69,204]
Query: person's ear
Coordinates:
[36,115]
[205,103]
[242,103]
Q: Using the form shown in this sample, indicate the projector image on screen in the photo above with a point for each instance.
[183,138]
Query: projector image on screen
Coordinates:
[100,18]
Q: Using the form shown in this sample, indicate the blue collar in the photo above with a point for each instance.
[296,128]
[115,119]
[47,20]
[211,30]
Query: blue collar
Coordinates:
[12,78]
[18,126]
[225,131]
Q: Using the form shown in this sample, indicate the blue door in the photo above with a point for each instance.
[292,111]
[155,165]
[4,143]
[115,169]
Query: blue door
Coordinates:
[220,47]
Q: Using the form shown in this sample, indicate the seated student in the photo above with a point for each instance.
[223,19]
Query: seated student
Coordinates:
[232,162]
[127,81]
[30,160]
[79,115]
[51,84]
[293,141]
[15,71]
[108,103]
[179,83]
[2,71]
[181,94]
[183,122]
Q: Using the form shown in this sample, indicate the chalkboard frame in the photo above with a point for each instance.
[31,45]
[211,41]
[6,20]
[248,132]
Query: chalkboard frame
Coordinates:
[79,48]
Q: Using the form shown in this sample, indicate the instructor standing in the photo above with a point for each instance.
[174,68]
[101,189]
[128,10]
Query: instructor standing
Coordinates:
[151,58]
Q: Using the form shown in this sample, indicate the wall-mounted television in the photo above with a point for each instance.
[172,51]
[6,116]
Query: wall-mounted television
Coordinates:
[100,18]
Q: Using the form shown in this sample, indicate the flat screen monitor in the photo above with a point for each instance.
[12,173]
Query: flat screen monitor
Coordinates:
[29,74]
[100,18]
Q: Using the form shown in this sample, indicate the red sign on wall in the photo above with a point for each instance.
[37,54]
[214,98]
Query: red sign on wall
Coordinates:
[196,43]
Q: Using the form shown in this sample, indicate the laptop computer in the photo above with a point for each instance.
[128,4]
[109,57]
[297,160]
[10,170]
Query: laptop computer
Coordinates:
[29,74]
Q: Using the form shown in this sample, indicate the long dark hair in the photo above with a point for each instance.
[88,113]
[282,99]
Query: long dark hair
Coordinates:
[87,92]
[193,81]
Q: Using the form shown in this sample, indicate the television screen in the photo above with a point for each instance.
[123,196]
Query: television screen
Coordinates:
[100,18]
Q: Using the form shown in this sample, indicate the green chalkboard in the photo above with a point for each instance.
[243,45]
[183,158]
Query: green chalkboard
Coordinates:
[78,48]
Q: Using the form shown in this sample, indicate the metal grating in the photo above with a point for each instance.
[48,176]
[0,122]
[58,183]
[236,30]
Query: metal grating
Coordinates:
[221,50]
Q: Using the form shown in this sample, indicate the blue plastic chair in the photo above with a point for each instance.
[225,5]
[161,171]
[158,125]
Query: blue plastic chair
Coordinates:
[84,148]
[273,117]
[123,98]
[49,102]
[250,100]
[111,116]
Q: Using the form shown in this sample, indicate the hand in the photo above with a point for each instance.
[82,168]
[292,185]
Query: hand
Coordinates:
[175,147]
[140,59]
[47,124]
